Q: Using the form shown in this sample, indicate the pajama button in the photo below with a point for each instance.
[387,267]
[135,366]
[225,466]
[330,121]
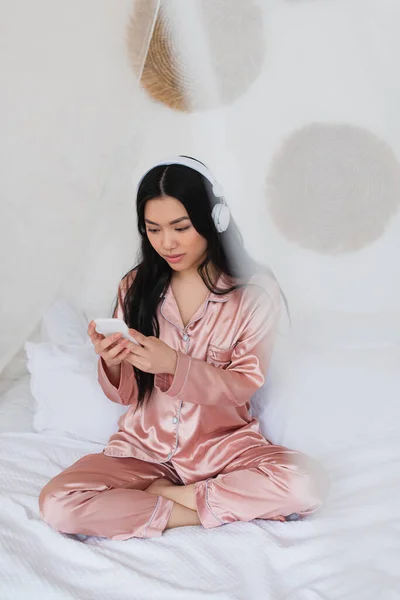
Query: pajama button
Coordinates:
[174,420]
[185,337]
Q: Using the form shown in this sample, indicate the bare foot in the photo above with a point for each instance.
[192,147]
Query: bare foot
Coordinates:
[182,516]
[158,486]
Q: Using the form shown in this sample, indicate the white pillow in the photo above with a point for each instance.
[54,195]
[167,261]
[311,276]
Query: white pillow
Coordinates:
[69,399]
[321,399]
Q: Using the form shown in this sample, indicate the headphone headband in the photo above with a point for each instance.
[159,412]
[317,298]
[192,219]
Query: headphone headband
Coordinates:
[192,164]
[220,212]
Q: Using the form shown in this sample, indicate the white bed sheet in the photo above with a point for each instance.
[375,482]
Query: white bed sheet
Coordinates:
[350,551]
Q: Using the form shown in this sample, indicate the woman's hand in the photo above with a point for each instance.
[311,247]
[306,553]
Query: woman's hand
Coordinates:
[112,349]
[152,356]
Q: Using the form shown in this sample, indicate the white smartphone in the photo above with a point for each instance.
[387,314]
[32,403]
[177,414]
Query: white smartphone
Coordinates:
[109,326]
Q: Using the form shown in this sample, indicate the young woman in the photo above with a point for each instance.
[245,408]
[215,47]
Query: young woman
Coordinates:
[187,451]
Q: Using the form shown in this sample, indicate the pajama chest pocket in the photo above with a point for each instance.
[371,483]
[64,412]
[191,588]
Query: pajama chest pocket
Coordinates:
[219,357]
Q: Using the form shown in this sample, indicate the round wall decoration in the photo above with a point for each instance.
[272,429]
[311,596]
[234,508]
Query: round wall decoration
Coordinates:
[333,188]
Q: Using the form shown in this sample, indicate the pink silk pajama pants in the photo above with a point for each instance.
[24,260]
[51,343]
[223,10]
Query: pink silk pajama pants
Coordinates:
[105,496]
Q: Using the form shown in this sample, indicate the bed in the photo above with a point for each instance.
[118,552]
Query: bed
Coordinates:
[350,550]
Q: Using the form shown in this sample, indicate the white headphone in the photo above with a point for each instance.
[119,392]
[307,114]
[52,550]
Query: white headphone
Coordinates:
[220,213]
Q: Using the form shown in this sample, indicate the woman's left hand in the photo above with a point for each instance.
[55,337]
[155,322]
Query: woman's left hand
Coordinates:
[152,356]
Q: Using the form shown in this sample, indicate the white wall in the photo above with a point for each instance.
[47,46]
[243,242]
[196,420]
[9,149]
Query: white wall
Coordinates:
[78,127]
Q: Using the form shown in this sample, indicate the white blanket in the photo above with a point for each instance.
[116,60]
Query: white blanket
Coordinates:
[350,551]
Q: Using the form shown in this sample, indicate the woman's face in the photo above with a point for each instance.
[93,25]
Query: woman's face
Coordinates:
[172,234]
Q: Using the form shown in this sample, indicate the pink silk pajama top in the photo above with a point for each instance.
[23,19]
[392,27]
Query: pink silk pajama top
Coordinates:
[199,418]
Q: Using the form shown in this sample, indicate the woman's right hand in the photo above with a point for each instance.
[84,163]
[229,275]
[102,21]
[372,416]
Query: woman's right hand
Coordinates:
[112,348]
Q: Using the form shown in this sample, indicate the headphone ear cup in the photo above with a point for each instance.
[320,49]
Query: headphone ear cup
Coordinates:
[221,216]
[217,190]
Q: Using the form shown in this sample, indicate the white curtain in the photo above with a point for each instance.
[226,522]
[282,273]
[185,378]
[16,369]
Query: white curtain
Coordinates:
[69,107]
[294,104]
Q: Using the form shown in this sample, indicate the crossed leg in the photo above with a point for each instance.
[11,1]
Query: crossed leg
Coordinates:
[266,482]
[105,496]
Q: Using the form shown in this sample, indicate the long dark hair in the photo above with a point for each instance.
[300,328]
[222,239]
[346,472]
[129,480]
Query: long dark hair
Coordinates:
[149,280]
